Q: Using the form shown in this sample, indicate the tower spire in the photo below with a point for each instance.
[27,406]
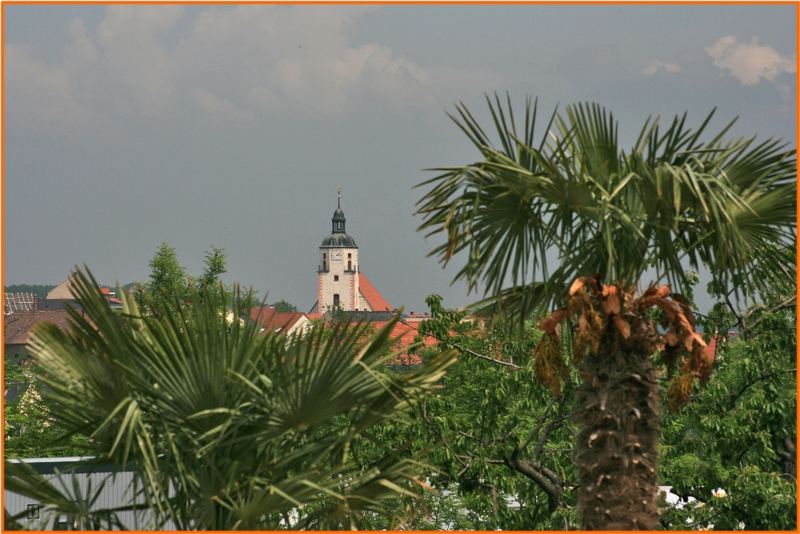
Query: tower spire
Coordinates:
[338,215]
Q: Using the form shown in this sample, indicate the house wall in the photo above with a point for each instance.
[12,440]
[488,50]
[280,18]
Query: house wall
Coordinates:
[301,325]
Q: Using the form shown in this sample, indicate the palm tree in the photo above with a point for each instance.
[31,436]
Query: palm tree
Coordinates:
[223,427]
[575,222]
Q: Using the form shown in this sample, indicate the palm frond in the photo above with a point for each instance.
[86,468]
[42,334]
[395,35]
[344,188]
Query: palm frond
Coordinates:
[223,426]
[578,205]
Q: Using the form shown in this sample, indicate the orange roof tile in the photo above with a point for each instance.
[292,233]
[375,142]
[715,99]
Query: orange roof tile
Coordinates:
[273,321]
[404,333]
[372,295]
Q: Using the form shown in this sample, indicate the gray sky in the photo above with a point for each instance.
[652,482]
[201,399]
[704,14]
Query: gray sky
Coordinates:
[233,126]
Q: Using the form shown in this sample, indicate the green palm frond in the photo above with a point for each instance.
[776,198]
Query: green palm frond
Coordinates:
[577,204]
[225,427]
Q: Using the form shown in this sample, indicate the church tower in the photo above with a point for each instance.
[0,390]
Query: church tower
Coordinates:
[337,275]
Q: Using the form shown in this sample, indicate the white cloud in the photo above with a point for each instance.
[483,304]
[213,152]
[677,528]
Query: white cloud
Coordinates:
[216,106]
[230,63]
[137,65]
[657,65]
[40,94]
[300,59]
[749,62]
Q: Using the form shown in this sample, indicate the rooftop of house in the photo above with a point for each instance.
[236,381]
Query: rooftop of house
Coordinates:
[271,320]
[373,297]
[62,291]
[404,334]
[18,326]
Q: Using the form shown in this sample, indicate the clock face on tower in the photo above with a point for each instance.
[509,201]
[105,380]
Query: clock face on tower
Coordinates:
[336,255]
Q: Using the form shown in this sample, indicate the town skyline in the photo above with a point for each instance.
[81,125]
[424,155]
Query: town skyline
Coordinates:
[233,126]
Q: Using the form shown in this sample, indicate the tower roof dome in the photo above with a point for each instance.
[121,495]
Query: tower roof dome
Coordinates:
[335,240]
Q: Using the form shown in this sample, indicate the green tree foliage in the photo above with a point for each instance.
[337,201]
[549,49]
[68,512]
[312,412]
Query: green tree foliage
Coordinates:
[282,306]
[497,442]
[167,276]
[611,217]
[729,454]
[739,433]
[214,267]
[29,428]
[226,428]
[170,284]
[504,441]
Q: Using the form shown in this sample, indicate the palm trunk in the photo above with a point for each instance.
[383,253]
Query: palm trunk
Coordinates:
[616,449]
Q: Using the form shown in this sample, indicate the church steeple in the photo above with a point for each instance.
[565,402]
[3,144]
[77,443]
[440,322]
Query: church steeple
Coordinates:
[337,275]
[338,236]
[338,220]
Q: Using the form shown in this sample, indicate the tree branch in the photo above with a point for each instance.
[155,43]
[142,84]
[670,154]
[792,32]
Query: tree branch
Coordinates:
[735,396]
[543,477]
[484,357]
[439,434]
[791,302]
[548,428]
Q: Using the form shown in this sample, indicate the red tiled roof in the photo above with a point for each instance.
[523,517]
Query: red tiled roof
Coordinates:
[17,326]
[273,321]
[262,314]
[372,295]
[404,333]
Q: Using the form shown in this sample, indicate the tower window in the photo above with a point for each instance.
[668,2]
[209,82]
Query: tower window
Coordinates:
[349,255]
[349,265]
[335,277]
[336,300]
